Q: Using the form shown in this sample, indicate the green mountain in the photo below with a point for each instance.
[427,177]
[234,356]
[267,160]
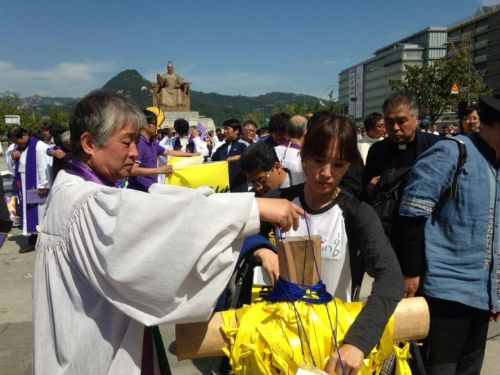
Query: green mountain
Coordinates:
[132,85]
[219,107]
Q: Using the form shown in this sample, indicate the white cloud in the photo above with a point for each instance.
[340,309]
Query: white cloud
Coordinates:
[488,2]
[64,79]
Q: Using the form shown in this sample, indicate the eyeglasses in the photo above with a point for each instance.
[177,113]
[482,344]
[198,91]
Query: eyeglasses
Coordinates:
[260,181]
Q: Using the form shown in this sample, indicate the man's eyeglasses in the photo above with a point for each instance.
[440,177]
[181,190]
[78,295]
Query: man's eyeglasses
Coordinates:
[260,181]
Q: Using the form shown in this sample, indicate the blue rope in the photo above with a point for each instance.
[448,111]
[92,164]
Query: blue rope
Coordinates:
[286,291]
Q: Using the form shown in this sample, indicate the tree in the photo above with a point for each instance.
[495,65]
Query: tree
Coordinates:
[10,104]
[322,105]
[256,116]
[431,83]
[59,116]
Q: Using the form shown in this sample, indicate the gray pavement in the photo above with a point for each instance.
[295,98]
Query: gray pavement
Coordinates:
[16,319]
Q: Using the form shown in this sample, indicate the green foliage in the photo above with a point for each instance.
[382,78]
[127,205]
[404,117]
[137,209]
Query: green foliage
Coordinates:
[256,108]
[59,116]
[321,105]
[10,105]
[431,83]
[132,85]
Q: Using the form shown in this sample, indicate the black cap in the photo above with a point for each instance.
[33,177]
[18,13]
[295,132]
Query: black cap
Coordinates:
[489,109]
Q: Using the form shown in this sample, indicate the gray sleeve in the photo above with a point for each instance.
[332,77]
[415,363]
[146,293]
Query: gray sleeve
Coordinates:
[387,289]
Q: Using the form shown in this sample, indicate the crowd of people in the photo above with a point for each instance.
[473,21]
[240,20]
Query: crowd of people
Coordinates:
[119,250]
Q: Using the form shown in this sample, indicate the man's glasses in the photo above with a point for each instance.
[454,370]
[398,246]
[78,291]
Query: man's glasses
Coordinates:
[260,181]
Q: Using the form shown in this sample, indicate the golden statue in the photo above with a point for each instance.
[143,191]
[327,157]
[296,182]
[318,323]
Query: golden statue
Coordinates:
[170,92]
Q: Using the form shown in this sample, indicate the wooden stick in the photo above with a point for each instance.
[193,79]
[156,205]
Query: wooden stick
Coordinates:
[205,339]
[296,260]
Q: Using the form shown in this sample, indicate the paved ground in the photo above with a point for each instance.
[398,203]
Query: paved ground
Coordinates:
[16,313]
[16,318]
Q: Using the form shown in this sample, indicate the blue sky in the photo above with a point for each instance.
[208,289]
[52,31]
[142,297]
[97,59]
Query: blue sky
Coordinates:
[67,48]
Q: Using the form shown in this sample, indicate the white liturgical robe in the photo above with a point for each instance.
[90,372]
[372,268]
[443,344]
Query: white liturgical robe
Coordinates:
[109,261]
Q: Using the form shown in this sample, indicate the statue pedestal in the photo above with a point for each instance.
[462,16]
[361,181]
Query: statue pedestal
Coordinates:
[193,117]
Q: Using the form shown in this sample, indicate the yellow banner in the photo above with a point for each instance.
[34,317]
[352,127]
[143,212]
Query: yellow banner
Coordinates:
[215,175]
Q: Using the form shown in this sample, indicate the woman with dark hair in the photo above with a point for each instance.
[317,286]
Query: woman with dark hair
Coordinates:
[352,236]
[469,119]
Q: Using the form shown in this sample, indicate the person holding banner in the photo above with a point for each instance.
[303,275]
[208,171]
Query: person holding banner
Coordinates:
[145,170]
[106,263]
[231,151]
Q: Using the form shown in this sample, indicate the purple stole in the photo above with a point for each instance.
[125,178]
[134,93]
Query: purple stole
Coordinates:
[31,183]
[78,168]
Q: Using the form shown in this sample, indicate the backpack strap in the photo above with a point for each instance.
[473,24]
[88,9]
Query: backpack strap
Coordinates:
[349,205]
[462,158]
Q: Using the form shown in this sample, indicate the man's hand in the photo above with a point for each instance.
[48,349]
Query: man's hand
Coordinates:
[58,153]
[268,259]
[280,212]
[15,155]
[372,183]
[494,316]
[43,192]
[166,169]
[411,286]
[352,359]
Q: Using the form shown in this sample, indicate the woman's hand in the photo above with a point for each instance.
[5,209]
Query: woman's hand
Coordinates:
[352,359]
[268,259]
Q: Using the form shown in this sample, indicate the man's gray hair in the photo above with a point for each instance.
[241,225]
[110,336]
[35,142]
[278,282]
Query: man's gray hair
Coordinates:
[66,136]
[401,98]
[100,113]
[296,126]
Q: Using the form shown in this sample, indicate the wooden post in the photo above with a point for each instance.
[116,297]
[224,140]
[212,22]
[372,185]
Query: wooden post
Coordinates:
[296,260]
[204,339]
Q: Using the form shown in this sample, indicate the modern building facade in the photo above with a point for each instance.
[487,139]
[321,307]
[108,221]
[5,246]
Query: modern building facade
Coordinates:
[363,87]
[482,34]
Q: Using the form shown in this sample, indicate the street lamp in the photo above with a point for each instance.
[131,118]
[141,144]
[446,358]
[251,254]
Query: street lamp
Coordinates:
[354,100]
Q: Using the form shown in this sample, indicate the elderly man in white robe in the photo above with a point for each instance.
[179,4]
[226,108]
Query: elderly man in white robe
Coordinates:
[33,175]
[106,264]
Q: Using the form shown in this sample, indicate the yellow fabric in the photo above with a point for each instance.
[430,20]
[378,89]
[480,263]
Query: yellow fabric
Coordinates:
[265,340]
[159,114]
[189,172]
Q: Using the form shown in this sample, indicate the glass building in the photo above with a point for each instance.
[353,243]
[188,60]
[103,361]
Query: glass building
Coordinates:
[363,87]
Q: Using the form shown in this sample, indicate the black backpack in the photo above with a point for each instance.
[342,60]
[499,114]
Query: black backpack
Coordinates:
[386,196]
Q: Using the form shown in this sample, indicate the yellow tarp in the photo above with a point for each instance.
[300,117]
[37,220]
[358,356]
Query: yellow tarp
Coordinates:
[190,172]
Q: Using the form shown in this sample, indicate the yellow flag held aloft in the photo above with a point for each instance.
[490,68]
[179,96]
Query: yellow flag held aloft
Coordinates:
[191,172]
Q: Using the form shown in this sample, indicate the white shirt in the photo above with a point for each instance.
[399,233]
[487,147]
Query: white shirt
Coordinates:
[335,266]
[364,145]
[200,146]
[166,143]
[43,178]
[109,261]
[289,158]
